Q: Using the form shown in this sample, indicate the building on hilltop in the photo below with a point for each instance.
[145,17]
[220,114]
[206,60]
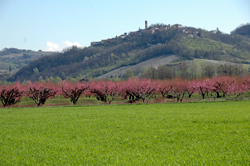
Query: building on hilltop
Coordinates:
[133,33]
[150,31]
[156,29]
[177,25]
[95,43]
[107,40]
[165,27]
[213,31]
[122,36]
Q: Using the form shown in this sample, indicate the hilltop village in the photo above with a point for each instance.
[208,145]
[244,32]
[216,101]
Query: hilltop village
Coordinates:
[151,30]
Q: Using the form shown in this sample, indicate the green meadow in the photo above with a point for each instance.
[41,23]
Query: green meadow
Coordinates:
[208,133]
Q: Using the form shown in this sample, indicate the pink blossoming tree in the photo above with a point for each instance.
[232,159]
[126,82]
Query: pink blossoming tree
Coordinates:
[10,94]
[104,90]
[238,87]
[138,89]
[164,88]
[40,92]
[179,88]
[73,90]
[204,87]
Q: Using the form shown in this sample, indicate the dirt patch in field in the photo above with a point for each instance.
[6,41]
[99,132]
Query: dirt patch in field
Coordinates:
[154,62]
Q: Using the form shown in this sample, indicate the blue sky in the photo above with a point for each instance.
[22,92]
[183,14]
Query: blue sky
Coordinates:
[56,24]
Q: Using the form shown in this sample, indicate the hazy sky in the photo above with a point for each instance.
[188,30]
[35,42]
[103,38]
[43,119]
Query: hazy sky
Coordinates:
[56,24]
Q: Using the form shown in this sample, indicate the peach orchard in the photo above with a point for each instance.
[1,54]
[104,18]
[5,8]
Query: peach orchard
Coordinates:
[132,90]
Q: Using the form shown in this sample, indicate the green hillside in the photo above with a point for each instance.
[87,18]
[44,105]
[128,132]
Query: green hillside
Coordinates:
[102,57]
[243,30]
[12,59]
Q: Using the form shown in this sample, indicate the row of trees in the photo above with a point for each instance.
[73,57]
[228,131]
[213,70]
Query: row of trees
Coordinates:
[193,71]
[132,89]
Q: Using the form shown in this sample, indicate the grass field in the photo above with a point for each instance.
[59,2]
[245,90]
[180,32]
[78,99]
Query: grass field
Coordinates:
[212,133]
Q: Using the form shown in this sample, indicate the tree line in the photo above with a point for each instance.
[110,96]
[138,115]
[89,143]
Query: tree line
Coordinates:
[193,71]
[132,90]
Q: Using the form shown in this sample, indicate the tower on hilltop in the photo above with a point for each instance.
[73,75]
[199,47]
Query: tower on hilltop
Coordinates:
[146,24]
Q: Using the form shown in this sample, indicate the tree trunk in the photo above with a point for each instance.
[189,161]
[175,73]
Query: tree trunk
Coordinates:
[74,101]
[218,94]
[189,95]
[203,95]
[224,94]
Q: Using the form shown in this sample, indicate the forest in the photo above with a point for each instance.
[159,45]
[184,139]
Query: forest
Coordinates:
[243,30]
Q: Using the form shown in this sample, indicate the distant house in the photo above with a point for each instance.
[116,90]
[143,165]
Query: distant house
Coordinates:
[150,31]
[156,29]
[133,33]
[196,32]
[186,31]
[107,40]
[177,25]
[95,43]
[165,28]
[213,31]
[122,36]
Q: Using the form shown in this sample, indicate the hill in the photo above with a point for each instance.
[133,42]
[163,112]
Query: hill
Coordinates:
[152,62]
[243,30]
[12,59]
[186,43]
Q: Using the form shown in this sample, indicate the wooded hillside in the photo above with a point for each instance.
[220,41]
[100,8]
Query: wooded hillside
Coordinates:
[243,30]
[107,55]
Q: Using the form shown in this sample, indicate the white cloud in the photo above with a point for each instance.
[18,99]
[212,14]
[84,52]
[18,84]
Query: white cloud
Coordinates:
[70,44]
[56,47]
[53,47]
